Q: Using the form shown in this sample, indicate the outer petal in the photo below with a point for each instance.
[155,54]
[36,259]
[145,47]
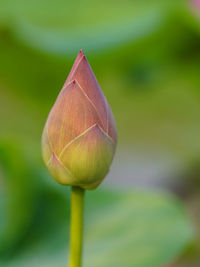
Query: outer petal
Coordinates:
[70,116]
[76,62]
[60,173]
[83,73]
[89,157]
[46,146]
[111,126]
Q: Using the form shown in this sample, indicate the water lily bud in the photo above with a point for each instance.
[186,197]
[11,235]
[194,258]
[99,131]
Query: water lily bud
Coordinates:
[79,137]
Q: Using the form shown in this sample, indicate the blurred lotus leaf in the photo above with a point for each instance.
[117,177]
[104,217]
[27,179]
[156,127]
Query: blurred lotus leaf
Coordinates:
[66,26]
[136,229]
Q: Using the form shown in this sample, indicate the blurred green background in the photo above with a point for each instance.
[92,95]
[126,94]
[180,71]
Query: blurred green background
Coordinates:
[146,57]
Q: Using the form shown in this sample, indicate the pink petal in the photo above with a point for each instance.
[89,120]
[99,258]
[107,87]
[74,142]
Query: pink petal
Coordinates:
[70,116]
[84,75]
[76,62]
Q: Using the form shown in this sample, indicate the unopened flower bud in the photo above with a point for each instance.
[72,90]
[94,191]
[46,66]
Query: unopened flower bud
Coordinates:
[79,137]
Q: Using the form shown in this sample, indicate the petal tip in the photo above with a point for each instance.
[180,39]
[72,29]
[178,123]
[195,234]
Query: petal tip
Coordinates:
[71,83]
[81,52]
[74,82]
[84,57]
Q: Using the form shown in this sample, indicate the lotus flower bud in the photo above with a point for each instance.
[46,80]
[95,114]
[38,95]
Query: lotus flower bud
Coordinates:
[79,137]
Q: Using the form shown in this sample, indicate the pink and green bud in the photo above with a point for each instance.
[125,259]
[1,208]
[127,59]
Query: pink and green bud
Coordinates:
[79,137]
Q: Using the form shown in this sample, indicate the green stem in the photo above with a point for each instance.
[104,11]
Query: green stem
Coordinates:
[76,227]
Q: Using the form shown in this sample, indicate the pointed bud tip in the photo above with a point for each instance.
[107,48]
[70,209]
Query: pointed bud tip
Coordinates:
[81,53]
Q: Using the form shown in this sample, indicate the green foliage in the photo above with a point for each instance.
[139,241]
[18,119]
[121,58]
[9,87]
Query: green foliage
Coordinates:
[65,26]
[134,228]
[146,57]
[129,228]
